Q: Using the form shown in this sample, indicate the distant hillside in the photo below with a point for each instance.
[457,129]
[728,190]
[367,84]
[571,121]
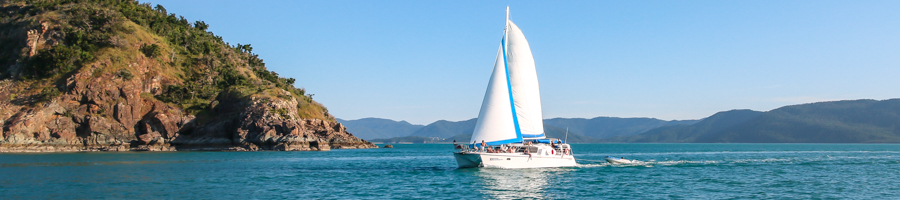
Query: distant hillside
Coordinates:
[551,131]
[557,132]
[371,128]
[590,129]
[851,121]
[689,133]
[411,139]
[605,127]
[446,129]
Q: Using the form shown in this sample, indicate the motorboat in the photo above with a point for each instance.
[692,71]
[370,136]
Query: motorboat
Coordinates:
[622,160]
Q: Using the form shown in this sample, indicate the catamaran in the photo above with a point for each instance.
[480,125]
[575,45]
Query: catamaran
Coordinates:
[510,128]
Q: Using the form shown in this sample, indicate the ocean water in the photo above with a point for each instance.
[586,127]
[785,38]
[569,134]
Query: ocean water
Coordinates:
[420,171]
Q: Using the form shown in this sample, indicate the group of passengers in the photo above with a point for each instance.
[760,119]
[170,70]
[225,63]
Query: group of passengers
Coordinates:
[488,149]
[503,148]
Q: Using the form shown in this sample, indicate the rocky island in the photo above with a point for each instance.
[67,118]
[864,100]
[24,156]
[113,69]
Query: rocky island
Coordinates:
[127,76]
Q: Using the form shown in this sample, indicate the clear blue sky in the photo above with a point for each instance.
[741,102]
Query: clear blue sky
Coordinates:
[423,61]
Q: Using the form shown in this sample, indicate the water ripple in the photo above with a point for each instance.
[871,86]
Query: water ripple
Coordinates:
[665,171]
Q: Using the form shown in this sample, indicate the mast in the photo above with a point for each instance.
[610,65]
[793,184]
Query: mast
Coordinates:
[506,28]
[506,31]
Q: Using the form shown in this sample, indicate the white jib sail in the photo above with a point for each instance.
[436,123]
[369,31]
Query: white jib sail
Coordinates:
[495,123]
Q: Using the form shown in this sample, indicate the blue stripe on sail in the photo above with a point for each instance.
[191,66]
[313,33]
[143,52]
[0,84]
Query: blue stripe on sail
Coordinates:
[533,136]
[509,87]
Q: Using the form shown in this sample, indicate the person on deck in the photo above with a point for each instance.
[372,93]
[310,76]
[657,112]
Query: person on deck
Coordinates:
[483,145]
[527,153]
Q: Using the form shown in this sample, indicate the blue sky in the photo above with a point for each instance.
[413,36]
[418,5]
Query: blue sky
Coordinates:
[423,61]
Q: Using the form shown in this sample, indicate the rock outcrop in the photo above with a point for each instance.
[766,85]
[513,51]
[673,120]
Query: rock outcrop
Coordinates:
[265,124]
[108,113]
[110,101]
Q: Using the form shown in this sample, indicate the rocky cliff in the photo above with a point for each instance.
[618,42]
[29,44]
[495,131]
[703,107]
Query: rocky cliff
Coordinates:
[124,81]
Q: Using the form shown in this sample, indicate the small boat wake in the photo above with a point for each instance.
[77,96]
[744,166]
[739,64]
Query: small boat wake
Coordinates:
[751,159]
[616,162]
[637,163]
[610,161]
[622,162]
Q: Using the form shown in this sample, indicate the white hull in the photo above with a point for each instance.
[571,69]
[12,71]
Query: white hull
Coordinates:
[511,160]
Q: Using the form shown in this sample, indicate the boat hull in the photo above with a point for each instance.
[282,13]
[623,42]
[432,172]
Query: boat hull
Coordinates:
[619,161]
[511,160]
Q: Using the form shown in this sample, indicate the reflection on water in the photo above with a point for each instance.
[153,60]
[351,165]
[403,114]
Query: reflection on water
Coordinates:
[518,183]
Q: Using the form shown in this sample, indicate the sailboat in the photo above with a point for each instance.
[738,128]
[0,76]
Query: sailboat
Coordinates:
[510,128]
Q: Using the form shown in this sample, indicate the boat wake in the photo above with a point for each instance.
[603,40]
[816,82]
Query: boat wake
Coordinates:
[599,163]
[744,161]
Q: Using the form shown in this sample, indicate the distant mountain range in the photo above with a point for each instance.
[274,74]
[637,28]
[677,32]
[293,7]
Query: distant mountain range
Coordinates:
[851,121]
[580,130]
[371,128]
[604,127]
[446,129]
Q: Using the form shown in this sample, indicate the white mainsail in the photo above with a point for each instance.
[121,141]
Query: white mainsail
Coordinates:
[525,89]
[511,110]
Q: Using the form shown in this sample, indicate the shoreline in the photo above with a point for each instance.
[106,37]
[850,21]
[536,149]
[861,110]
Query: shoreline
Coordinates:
[7,148]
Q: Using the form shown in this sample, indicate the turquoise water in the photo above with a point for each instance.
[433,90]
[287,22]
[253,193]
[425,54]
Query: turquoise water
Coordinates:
[670,171]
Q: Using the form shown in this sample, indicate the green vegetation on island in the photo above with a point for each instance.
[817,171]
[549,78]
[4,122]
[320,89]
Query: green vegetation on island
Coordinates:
[105,36]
